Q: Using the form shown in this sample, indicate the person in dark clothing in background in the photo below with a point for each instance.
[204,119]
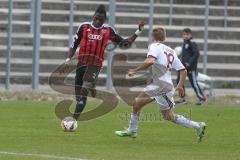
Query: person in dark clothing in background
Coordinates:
[189,57]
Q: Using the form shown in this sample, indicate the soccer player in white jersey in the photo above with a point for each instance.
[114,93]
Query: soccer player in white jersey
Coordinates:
[162,59]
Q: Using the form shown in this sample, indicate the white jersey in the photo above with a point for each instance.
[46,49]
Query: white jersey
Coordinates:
[166,60]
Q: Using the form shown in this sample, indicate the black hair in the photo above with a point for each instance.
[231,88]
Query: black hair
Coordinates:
[101,9]
[187,30]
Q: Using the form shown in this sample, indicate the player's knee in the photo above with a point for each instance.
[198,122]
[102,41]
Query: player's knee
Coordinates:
[168,117]
[136,104]
[165,117]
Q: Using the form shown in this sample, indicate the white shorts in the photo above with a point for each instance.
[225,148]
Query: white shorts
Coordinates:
[164,99]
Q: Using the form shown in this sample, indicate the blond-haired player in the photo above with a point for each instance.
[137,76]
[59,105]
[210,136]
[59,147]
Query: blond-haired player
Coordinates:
[162,59]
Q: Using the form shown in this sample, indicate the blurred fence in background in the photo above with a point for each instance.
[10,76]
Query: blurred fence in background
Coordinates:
[38,33]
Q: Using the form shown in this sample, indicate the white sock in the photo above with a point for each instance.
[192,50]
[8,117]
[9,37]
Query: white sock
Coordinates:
[133,123]
[186,122]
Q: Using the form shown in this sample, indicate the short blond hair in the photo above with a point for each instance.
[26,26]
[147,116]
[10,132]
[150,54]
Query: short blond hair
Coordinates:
[159,34]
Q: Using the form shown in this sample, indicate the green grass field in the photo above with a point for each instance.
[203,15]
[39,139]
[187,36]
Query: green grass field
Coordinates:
[31,131]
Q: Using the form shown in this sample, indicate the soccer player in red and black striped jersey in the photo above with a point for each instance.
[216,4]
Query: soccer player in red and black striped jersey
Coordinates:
[92,38]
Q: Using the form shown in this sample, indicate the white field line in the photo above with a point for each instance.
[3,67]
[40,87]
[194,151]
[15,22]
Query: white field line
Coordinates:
[39,156]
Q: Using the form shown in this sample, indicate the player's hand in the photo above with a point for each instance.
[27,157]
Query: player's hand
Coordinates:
[131,72]
[180,89]
[141,26]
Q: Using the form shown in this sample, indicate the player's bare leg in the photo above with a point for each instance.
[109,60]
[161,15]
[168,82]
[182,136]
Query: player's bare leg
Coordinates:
[183,121]
[140,101]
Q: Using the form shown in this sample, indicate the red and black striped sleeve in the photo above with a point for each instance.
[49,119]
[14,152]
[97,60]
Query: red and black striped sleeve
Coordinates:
[115,37]
[77,37]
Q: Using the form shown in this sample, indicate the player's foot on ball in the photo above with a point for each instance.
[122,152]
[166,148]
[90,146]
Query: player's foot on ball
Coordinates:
[126,133]
[181,101]
[201,131]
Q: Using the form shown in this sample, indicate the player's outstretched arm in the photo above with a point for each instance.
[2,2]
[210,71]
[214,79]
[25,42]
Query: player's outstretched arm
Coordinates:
[147,63]
[127,42]
[137,33]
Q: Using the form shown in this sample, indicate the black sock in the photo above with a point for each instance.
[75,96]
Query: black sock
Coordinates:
[81,103]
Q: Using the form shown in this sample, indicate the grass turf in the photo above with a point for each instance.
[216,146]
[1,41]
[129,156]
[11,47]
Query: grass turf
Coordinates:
[32,128]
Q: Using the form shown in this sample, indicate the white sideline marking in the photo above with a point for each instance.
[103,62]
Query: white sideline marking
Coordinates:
[40,155]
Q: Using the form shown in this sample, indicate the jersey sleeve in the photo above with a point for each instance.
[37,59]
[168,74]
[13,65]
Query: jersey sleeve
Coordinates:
[77,37]
[177,64]
[152,51]
[115,37]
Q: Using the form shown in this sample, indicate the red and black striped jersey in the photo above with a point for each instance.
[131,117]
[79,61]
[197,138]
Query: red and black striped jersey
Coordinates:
[92,42]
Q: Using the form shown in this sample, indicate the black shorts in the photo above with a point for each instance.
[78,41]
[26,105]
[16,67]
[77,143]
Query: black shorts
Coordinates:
[85,73]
